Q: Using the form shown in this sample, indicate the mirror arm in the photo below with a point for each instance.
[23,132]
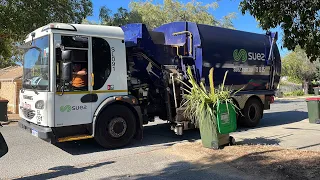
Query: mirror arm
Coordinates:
[62,88]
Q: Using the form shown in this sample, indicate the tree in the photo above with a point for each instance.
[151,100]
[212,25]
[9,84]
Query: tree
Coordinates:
[297,66]
[20,17]
[86,21]
[154,15]
[298,19]
[121,17]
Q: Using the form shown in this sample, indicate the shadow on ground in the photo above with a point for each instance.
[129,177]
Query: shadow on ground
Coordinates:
[259,140]
[286,101]
[279,118]
[159,134]
[61,171]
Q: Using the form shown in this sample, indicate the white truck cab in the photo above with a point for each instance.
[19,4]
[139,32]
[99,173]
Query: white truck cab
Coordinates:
[50,107]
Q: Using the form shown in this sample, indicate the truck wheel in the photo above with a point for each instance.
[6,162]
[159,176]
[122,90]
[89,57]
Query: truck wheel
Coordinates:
[115,127]
[252,112]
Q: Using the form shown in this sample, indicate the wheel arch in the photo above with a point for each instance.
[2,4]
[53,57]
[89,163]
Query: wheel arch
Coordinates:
[255,97]
[127,101]
[241,101]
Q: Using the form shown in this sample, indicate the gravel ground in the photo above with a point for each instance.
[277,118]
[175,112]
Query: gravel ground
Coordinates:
[262,161]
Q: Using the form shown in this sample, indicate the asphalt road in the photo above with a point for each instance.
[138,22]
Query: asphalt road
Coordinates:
[32,158]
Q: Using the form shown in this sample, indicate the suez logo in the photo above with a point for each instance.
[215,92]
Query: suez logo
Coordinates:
[69,108]
[243,55]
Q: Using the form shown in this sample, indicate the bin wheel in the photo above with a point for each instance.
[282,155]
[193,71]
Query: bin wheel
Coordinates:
[232,141]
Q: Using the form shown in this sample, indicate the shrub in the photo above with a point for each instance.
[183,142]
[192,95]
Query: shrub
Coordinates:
[201,103]
[294,93]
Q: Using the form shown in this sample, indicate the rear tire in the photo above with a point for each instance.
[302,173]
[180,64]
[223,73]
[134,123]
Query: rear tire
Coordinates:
[115,127]
[252,112]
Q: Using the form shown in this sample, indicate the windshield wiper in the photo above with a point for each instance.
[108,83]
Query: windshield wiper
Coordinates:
[35,89]
[32,87]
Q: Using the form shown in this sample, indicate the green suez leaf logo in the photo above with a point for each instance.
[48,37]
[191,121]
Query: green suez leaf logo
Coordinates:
[68,108]
[243,55]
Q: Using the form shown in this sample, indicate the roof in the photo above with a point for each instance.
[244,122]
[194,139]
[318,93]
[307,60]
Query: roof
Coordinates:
[100,30]
[113,32]
[11,73]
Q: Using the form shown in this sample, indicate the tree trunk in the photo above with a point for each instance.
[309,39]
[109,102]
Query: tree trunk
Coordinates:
[305,86]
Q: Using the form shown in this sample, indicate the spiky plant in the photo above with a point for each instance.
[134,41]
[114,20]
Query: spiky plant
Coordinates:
[200,103]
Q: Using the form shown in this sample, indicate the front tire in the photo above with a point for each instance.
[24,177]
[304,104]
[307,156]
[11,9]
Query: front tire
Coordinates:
[115,127]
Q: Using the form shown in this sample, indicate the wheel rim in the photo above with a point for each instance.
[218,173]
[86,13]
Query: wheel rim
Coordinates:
[117,127]
[253,112]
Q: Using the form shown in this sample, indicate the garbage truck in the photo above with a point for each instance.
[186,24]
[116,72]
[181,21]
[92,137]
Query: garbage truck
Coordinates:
[95,81]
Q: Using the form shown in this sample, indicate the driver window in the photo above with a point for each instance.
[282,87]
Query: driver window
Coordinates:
[101,58]
[79,47]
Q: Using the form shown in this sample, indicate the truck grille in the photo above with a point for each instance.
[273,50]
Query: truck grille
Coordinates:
[28,113]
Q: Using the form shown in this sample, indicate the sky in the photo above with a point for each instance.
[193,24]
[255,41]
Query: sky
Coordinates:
[242,22]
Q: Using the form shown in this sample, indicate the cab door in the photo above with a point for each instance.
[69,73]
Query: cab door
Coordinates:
[73,105]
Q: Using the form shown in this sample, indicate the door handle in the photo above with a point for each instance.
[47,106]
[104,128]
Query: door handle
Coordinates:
[89,98]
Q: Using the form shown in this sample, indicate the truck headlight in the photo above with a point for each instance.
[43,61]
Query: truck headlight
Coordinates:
[39,104]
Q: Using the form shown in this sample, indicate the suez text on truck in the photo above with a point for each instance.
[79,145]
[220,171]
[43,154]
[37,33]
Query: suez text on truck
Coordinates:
[131,77]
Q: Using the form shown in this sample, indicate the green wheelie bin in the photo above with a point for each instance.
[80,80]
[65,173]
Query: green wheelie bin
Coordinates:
[316,90]
[313,104]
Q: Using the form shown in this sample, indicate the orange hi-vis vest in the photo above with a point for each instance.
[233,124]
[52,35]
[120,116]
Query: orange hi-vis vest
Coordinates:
[79,80]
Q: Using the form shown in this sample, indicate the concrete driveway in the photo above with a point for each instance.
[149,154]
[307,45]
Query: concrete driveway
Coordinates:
[286,125]
[32,158]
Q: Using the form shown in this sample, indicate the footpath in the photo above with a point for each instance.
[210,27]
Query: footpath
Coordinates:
[12,119]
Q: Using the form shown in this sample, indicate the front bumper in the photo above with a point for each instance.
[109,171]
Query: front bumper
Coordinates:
[43,133]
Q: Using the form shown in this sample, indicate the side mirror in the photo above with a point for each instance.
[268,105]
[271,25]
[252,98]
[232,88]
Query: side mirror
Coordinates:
[66,74]
[3,146]
[66,55]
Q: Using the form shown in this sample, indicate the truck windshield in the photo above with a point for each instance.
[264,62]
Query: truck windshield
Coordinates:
[36,65]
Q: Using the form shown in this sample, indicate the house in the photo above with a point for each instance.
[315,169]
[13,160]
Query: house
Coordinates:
[10,84]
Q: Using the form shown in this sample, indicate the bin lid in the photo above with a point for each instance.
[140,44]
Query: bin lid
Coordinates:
[2,100]
[313,99]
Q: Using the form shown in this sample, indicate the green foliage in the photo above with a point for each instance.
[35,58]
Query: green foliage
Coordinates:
[121,17]
[5,53]
[298,19]
[297,66]
[20,17]
[294,93]
[201,103]
[295,80]
[154,15]
[315,83]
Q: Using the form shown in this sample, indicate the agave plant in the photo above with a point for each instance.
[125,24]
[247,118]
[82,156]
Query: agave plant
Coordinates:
[201,103]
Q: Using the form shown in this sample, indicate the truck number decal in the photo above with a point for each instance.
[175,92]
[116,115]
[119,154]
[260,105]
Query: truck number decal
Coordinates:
[260,69]
[113,59]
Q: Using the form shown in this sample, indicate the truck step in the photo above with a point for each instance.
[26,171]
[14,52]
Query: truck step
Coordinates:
[74,138]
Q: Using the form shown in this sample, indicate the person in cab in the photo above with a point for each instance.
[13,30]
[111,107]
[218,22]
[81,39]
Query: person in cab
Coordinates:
[79,77]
